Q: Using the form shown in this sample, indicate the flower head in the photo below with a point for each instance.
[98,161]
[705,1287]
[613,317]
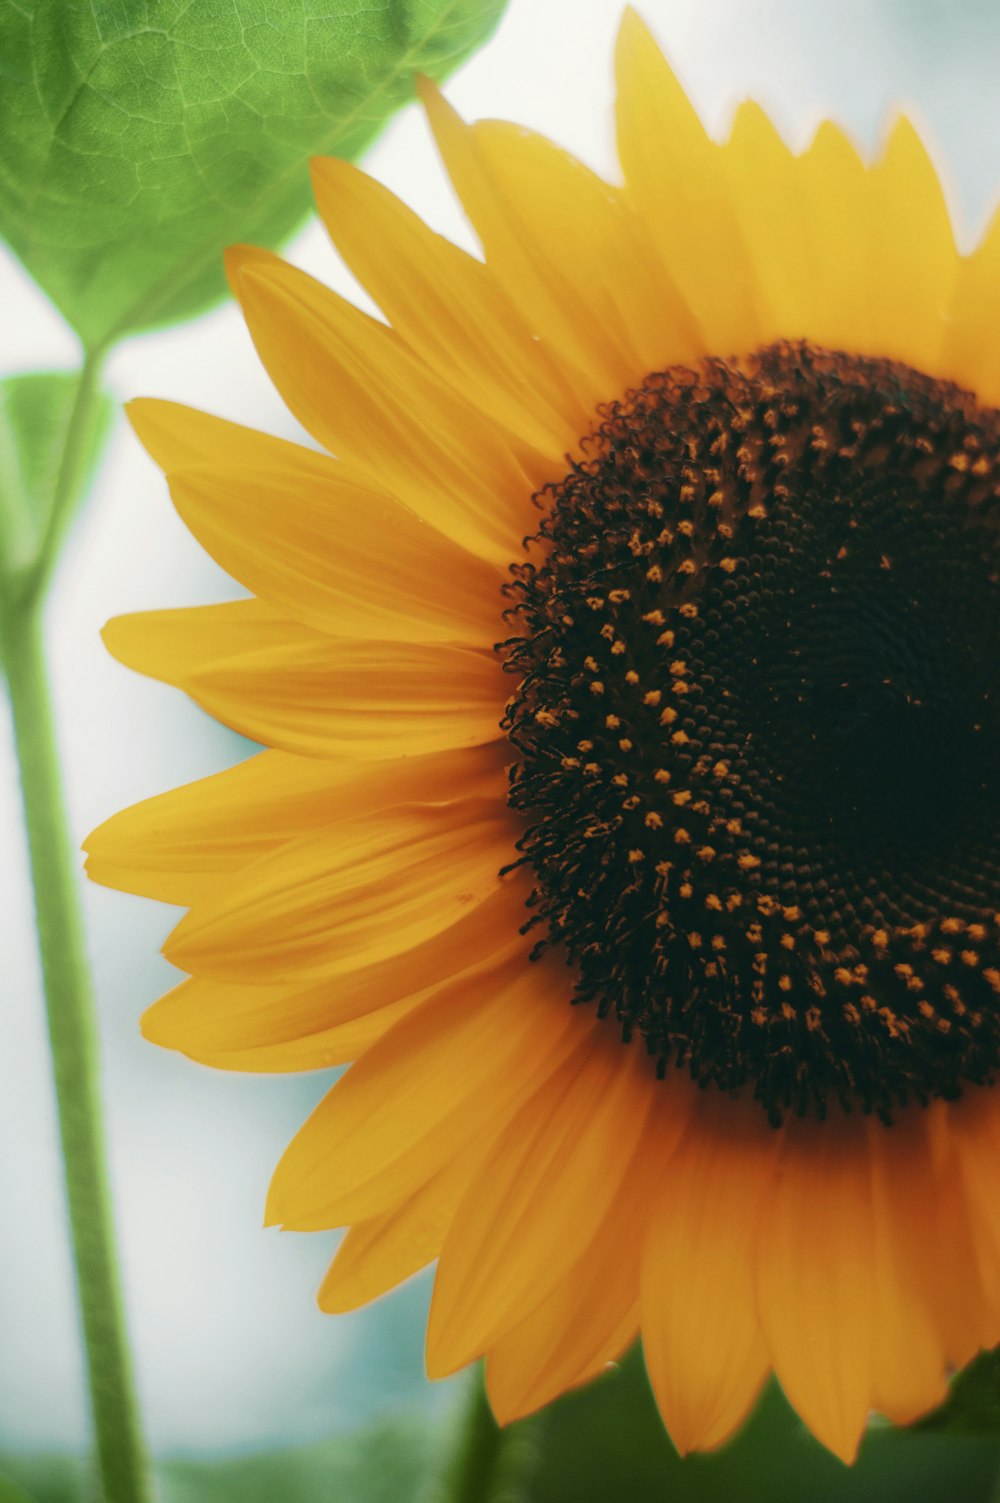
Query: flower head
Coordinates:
[637,652]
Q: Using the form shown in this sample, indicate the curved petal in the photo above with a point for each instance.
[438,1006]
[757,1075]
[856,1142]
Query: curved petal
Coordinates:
[969,355]
[701,1335]
[592,1315]
[289,687]
[209,1017]
[454,1068]
[355,385]
[914,259]
[339,1044]
[513,1238]
[814,1286]
[449,308]
[765,184]
[568,252]
[909,1373]
[836,220]
[377,1255]
[175,846]
[348,895]
[676,178]
[338,555]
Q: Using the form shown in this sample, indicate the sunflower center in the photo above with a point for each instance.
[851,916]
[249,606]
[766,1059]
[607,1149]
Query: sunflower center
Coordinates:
[757,727]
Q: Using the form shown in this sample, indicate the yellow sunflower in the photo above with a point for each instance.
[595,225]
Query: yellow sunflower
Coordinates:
[712,755]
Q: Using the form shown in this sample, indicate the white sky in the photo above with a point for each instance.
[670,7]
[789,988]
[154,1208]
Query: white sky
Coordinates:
[230,1347]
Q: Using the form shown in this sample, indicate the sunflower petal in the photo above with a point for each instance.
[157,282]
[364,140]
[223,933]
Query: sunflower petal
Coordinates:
[910,292]
[209,1017]
[338,555]
[286,686]
[837,225]
[969,355]
[814,1282]
[456,1067]
[675,177]
[348,895]
[377,1255]
[508,1244]
[355,385]
[449,308]
[175,846]
[701,1335]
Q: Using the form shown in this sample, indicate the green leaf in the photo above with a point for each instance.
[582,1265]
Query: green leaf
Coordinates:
[142,137]
[973,1403]
[51,434]
[606,1441]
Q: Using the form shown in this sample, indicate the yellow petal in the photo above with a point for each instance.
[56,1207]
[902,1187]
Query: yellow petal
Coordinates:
[449,307]
[567,251]
[970,354]
[337,1045]
[914,259]
[701,1334]
[348,895]
[814,1285]
[175,846]
[837,226]
[177,437]
[544,1190]
[209,1017]
[288,687]
[173,645]
[378,1254]
[338,555]
[454,1068]
[764,180]
[355,385]
[676,178]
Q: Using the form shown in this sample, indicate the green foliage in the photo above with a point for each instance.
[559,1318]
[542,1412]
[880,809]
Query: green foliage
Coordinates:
[36,414]
[973,1404]
[142,137]
[387,1463]
[607,1442]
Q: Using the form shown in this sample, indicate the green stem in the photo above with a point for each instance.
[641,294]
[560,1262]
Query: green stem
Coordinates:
[121,1453]
[491,1465]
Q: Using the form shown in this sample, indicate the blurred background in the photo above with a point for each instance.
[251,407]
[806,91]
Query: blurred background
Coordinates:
[231,1350]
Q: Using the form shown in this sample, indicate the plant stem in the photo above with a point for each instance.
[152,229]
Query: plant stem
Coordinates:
[491,1465]
[121,1454]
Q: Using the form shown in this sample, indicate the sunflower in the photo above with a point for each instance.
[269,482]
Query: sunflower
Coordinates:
[629,811]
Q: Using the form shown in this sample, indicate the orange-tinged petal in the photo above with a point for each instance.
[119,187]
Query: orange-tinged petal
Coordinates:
[203,1017]
[348,895]
[509,1245]
[355,385]
[701,1334]
[592,1315]
[449,307]
[914,258]
[175,846]
[338,554]
[675,177]
[814,1286]
[454,1068]
[377,1255]
[908,1362]
[286,686]
[967,1298]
